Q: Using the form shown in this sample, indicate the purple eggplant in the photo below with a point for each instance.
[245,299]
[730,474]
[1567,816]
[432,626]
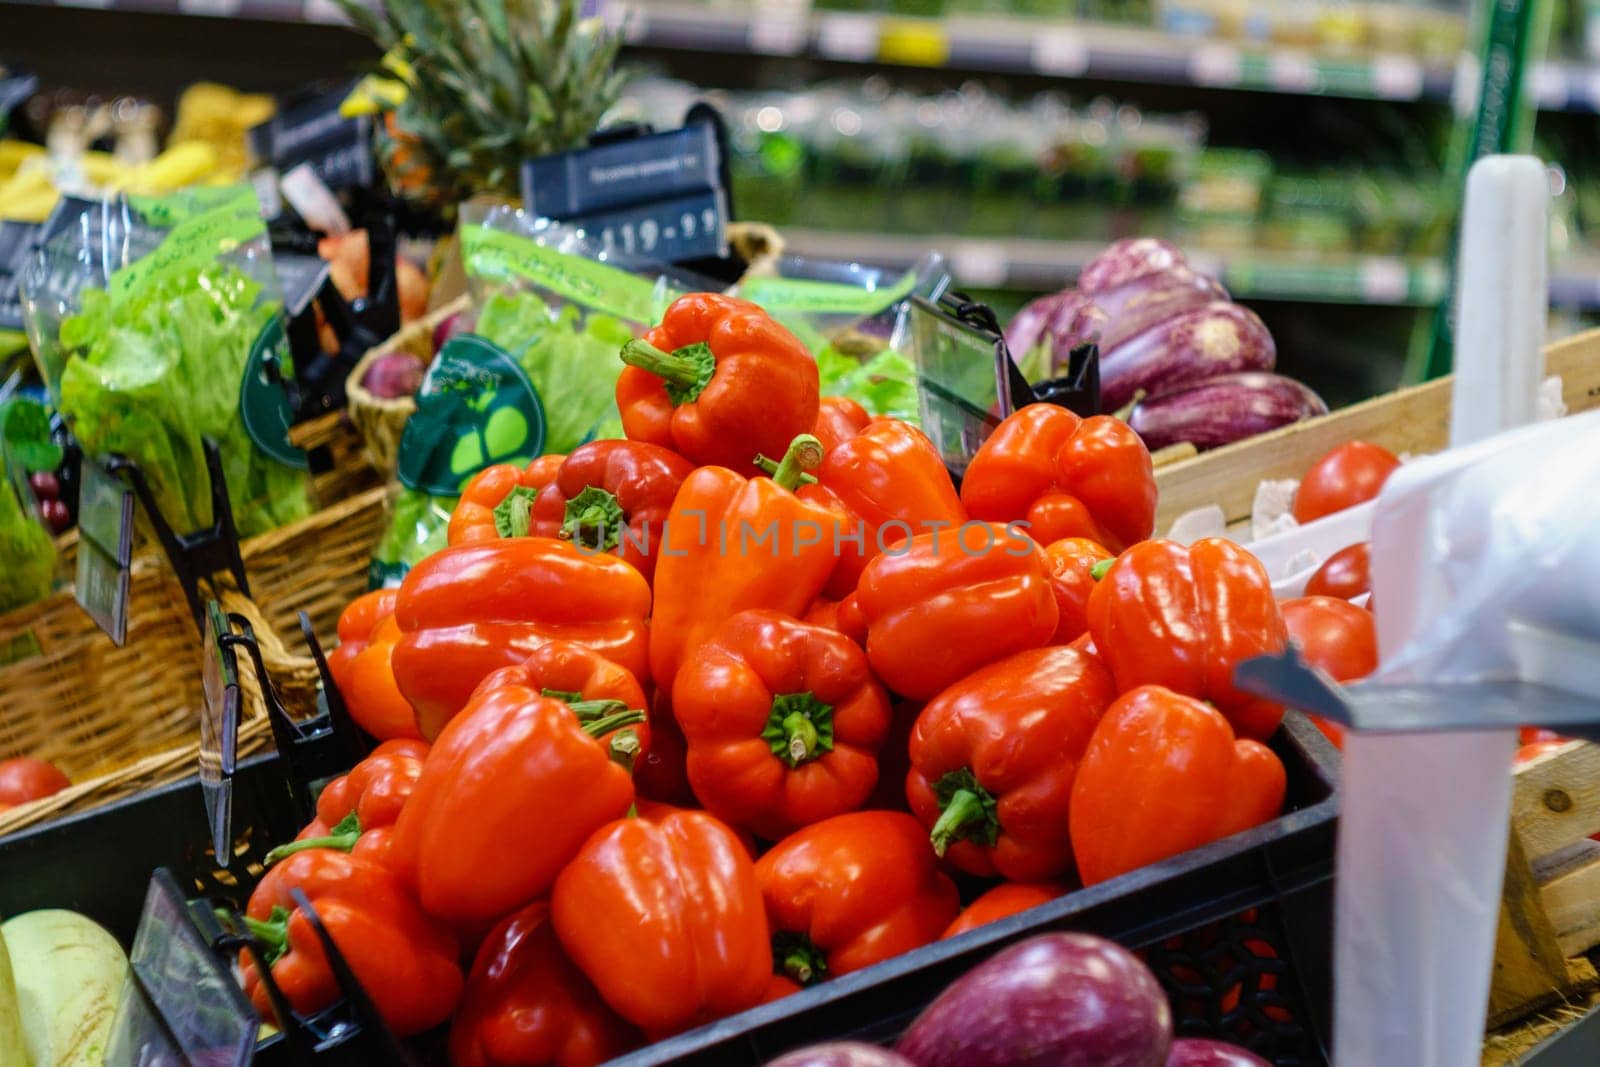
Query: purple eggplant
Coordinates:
[1064,320]
[1199,1052]
[1063,1000]
[842,1054]
[1135,306]
[1127,260]
[1224,409]
[1203,342]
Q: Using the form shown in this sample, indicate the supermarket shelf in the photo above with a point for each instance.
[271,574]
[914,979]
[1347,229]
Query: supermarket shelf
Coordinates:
[995,43]
[1030,264]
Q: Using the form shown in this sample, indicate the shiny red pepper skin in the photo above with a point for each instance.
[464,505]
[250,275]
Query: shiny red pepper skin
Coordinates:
[525,1003]
[838,419]
[1072,561]
[1183,618]
[761,393]
[851,891]
[1065,476]
[613,496]
[889,484]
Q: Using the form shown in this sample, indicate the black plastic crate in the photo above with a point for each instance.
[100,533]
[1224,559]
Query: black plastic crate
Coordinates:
[1238,932]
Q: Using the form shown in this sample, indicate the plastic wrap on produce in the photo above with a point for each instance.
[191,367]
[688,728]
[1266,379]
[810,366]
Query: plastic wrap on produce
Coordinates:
[1480,537]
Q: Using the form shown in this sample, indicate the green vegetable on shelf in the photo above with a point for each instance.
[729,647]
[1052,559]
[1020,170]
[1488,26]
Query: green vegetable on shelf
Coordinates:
[27,554]
[885,384]
[151,373]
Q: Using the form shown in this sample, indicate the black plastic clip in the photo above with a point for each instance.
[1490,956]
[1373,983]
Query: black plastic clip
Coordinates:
[200,554]
[1078,390]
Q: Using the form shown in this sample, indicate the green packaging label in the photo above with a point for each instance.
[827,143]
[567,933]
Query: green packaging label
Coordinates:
[500,256]
[263,402]
[194,242]
[476,408]
[802,294]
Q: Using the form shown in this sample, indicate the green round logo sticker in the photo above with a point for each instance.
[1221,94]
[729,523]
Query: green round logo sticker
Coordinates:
[263,402]
[476,408]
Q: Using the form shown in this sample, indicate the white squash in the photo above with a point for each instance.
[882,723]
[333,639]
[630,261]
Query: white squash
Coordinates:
[69,975]
[12,1048]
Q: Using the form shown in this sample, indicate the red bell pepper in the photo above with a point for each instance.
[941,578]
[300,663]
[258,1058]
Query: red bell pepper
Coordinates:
[588,683]
[507,795]
[948,602]
[1065,476]
[405,960]
[732,544]
[612,496]
[471,609]
[843,616]
[357,810]
[1184,617]
[661,774]
[665,917]
[1164,774]
[838,419]
[497,501]
[889,484]
[718,382]
[1002,902]
[993,758]
[783,721]
[525,1003]
[362,668]
[852,891]
[1072,561]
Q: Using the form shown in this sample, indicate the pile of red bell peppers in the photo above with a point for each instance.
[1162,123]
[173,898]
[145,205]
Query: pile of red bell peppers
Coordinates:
[680,723]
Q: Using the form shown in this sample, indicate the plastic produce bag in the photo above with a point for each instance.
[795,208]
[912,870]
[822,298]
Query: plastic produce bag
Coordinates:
[155,322]
[533,369]
[853,318]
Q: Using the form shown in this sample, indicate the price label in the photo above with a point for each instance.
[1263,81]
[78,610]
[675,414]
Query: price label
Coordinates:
[849,37]
[1061,53]
[313,201]
[638,170]
[337,149]
[692,227]
[105,549]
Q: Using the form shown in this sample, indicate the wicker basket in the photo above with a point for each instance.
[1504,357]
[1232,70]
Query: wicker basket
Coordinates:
[381,421]
[317,565]
[121,720]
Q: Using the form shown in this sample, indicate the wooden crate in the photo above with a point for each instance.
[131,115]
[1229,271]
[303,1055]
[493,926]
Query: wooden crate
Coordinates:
[1414,420]
[1550,909]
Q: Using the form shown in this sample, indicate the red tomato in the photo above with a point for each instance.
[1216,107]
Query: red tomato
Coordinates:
[1346,574]
[1529,735]
[1349,475]
[1336,636]
[25,778]
[1535,749]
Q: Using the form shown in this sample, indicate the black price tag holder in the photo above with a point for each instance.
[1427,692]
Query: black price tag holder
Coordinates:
[641,194]
[105,549]
[181,1005]
[309,750]
[311,132]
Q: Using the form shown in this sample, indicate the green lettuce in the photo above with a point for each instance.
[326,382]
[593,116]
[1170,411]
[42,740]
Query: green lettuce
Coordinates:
[27,554]
[152,374]
[574,365]
[885,384]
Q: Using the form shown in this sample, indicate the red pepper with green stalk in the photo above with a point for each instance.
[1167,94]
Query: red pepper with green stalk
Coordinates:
[993,759]
[664,915]
[526,1003]
[718,381]
[470,609]
[851,891]
[949,602]
[404,959]
[783,722]
[497,501]
[1064,476]
[590,685]
[1183,617]
[613,496]
[732,544]
[889,483]
[507,795]
[356,812]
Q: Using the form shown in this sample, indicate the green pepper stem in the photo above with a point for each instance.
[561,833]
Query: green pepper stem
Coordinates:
[668,366]
[339,842]
[272,932]
[608,723]
[513,515]
[804,454]
[624,749]
[590,710]
[798,957]
[594,518]
[965,815]
[799,728]
[1098,571]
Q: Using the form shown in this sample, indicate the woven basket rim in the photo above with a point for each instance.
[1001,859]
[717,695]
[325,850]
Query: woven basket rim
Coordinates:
[354,390]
